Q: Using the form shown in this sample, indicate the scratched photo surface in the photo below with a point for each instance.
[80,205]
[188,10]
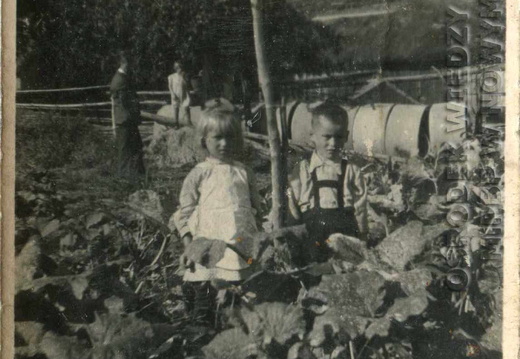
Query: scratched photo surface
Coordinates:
[238,179]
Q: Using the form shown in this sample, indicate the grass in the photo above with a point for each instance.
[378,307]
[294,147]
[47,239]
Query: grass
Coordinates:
[82,159]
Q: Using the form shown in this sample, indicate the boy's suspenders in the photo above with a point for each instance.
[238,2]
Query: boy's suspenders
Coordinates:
[339,184]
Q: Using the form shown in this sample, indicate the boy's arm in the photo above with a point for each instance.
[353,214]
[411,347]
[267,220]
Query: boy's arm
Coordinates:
[294,193]
[360,198]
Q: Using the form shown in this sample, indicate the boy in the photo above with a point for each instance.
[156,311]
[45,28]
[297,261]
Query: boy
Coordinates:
[180,96]
[327,193]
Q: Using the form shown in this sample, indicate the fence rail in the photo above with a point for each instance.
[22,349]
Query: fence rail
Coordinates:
[62,89]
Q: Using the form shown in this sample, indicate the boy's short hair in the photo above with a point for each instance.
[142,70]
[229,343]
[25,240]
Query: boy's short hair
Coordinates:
[179,63]
[219,114]
[332,112]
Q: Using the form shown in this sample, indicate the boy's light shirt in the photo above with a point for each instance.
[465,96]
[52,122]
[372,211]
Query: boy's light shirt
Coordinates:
[178,86]
[355,194]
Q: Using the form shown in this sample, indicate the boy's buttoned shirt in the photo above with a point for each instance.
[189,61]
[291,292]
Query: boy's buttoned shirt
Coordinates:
[354,190]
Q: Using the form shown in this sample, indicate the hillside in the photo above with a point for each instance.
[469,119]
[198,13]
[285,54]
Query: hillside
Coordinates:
[396,33]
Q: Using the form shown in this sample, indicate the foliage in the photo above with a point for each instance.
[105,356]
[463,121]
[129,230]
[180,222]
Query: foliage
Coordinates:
[209,34]
[55,141]
[97,275]
[230,344]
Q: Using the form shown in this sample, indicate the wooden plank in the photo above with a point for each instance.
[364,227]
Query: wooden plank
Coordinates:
[63,89]
[56,106]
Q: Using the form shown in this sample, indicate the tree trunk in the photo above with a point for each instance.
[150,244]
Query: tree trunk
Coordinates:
[278,175]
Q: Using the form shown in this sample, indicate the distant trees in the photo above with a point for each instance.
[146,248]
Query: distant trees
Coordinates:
[73,42]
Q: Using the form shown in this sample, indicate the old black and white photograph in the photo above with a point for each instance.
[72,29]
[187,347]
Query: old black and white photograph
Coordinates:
[269,179]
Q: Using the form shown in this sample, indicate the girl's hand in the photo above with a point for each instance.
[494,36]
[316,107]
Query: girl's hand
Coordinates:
[185,261]
[186,240]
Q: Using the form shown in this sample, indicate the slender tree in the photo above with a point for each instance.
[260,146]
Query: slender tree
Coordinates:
[278,174]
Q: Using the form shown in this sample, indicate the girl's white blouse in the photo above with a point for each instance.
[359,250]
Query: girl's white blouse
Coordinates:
[218,201]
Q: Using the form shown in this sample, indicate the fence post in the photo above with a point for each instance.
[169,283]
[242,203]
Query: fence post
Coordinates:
[113,117]
[284,137]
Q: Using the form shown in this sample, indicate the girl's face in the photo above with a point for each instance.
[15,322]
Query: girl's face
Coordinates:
[220,144]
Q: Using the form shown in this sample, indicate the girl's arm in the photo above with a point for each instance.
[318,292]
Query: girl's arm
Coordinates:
[188,201]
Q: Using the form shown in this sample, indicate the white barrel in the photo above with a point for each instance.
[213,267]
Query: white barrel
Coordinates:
[368,130]
[447,123]
[403,130]
[352,113]
[300,123]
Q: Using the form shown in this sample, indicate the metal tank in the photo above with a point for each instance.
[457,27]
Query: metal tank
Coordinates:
[403,135]
[369,127]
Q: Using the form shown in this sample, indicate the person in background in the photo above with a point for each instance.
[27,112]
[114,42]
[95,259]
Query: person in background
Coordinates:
[126,119]
[179,91]
[328,193]
[219,201]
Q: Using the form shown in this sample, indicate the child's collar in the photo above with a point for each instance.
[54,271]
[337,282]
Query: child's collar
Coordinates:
[216,161]
[317,161]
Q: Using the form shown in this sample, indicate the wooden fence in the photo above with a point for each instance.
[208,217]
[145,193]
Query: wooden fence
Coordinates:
[356,88]
[88,103]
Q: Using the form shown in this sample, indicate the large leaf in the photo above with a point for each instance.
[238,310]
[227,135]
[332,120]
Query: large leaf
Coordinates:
[120,336]
[206,252]
[252,246]
[415,280]
[336,324]
[28,336]
[230,344]
[300,351]
[402,245]
[277,322]
[360,293]
[50,227]
[347,248]
[148,202]
[77,284]
[64,347]
[407,242]
[378,327]
[27,265]
[404,308]
[94,219]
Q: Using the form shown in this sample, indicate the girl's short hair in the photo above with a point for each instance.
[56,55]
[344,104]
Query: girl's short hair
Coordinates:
[219,114]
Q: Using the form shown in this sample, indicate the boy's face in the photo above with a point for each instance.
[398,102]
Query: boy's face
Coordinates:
[329,138]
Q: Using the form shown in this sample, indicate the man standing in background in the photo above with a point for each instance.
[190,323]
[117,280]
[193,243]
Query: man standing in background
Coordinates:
[180,97]
[126,119]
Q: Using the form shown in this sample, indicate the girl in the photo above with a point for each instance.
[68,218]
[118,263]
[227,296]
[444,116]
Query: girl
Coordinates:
[219,199]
